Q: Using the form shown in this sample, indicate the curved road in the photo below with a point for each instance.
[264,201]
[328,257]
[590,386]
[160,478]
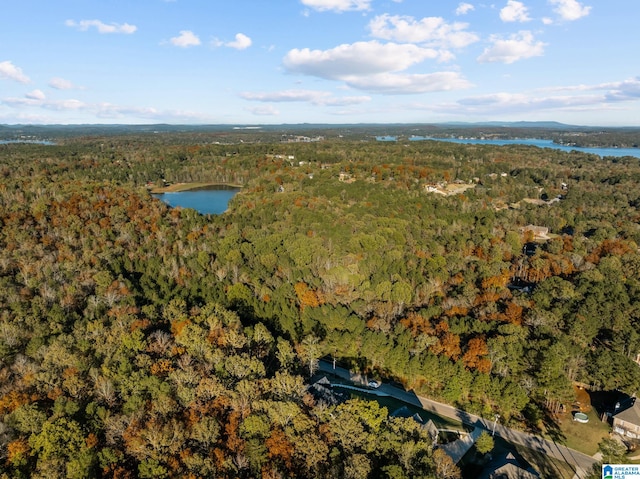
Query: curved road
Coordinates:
[579,461]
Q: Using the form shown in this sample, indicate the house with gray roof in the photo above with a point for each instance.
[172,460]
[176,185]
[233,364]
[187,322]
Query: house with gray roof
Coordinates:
[627,422]
[431,428]
[508,467]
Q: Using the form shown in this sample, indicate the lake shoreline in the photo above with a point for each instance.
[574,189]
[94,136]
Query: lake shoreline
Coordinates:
[180,187]
[602,152]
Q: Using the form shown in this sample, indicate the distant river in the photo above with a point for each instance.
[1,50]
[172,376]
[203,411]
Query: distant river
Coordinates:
[210,200]
[602,152]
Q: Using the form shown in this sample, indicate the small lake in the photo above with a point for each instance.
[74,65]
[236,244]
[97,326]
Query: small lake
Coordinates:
[210,200]
[602,152]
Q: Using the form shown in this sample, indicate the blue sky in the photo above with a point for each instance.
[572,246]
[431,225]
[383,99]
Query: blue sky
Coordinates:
[319,61]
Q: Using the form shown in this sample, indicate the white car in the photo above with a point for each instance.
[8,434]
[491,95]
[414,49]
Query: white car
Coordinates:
[373,384]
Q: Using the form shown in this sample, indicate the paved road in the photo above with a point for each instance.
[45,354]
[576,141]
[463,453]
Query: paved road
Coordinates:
[581,462]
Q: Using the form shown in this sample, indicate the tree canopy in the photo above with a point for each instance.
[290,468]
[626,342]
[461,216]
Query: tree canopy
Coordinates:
[158,342]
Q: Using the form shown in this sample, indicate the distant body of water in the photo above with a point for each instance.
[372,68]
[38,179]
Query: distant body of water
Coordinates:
[30,142]
[602,152]
[211,200]
[387,138]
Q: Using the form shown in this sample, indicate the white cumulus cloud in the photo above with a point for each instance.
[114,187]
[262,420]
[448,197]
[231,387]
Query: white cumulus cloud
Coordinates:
[36,95]
[344,100]
[464,8]
[56,105]
[518,46]
[515,11]
[337,5]
[314,97]
[513,102]
[61,84]
[241,42]
[567,98]
[186,39]
[404,84]
[9,71]
[625,90]
[432,31]
[570,9]
[100,110]
[263,110]
[375,67]
[84,25]
[357,59]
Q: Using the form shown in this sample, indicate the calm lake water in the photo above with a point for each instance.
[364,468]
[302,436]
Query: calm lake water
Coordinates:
[602,152]
[213,200]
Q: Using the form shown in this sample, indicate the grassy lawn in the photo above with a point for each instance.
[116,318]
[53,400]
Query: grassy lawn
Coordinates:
[584,437]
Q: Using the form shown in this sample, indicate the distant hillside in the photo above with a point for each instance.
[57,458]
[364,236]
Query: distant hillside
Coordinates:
[519,124]
[552,130]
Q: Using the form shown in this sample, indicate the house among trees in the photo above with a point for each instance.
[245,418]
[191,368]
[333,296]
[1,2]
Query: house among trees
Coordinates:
[345,177]
[325,394]
[507,467]
[538,232]
[434,189]
[627,422]
[431,428]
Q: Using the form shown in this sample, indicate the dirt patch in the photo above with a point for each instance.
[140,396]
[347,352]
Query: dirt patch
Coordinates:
[450,189]
[457,188]
[583,400]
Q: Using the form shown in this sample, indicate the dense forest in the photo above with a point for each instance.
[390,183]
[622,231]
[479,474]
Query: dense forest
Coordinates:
[142,341]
